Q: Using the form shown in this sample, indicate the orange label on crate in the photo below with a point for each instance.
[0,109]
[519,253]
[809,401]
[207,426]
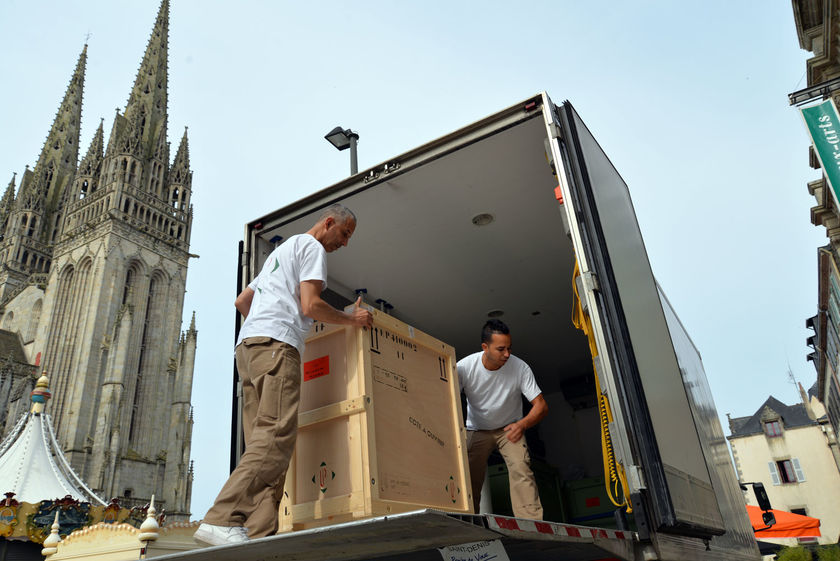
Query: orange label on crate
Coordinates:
[316,368]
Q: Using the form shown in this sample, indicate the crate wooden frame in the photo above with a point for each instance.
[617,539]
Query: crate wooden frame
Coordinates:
[368,385]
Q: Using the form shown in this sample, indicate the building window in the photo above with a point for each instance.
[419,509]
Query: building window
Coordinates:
[786,471]
[773,428]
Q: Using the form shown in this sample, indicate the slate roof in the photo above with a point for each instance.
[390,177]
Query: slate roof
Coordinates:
[792,416]
[10,345]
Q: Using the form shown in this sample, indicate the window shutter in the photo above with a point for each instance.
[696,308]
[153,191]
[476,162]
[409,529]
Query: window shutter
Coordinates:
[800,475]
[774,473]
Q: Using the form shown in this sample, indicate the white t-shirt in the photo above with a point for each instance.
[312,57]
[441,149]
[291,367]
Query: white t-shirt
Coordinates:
[493,396]
[275,310]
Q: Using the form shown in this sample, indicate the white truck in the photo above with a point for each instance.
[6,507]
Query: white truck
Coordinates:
[494,220]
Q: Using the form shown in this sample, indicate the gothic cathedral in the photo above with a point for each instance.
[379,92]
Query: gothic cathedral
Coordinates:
[93,268]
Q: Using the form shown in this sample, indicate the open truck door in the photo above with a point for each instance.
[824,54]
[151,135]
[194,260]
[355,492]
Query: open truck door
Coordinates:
[641,375]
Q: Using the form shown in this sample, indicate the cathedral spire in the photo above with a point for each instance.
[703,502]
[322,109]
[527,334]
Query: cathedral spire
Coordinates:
[146,108]
[87,177]
[57,161]
[181,166]
[6,204]
[93,158]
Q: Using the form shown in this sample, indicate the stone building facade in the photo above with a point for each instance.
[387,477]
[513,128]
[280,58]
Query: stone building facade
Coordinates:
[93,268]
[792,449]
[818,32]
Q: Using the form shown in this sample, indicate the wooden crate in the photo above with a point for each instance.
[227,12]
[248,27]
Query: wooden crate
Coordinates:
[380,427]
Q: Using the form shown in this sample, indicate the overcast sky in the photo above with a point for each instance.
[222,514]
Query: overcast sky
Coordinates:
[688,99]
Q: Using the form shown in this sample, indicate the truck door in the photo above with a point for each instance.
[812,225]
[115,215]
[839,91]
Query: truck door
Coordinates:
[673,483]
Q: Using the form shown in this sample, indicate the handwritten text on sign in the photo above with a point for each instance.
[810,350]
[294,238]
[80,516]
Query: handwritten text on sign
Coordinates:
[476,551]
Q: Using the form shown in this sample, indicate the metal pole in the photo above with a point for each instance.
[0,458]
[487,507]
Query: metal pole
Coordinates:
[354,163]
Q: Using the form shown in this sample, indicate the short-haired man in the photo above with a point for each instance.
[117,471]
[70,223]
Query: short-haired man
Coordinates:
[279,307]
[493,381]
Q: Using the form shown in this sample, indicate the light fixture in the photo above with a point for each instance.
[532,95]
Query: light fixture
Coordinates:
[483,219]
[343,139]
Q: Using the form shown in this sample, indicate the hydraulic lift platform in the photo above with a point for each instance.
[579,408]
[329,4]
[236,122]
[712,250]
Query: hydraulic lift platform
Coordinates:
[418,535]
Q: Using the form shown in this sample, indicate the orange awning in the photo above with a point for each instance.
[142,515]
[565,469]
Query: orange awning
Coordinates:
[788,524]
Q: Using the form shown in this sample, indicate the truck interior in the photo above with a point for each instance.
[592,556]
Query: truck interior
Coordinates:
[474,233]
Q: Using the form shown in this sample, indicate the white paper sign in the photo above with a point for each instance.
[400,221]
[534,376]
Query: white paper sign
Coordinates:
[475,551]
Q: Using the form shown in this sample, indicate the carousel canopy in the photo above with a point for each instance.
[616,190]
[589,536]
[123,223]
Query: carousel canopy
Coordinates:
[32,465]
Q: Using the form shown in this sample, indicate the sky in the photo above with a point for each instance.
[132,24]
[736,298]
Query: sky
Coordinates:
[689,100]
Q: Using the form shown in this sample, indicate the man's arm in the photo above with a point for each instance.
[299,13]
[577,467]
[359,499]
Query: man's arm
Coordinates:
[313,306]
[539,409]
[243,301]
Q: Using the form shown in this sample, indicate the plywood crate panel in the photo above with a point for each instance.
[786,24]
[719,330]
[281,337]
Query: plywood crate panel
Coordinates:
[380,427]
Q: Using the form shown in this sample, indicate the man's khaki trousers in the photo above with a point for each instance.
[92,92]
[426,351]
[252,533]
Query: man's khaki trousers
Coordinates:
[524,497]
[270,375]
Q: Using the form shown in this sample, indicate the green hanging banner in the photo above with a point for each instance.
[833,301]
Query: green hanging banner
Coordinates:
[823,125]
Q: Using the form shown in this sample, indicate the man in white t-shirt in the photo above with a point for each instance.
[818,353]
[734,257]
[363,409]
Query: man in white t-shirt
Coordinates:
[494,381]
[279,307]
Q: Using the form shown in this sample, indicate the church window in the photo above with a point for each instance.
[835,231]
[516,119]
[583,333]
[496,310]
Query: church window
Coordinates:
[132,173]
[152,323]
[174,198]
[32,223]
[126,206]
[34,318]
[123,169]
[129,282]
[83,192]
[24,219]
[25,257]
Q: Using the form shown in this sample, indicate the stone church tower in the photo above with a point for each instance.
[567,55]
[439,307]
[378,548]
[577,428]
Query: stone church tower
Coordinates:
[93,267]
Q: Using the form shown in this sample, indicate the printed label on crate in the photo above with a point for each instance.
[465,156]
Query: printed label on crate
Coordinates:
[323,477]
[452,489]
[427,431]
[398,486]
[476,551]
[316,368]
[390,379]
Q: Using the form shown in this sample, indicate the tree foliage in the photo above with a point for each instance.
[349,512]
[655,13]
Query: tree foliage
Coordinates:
[795,553]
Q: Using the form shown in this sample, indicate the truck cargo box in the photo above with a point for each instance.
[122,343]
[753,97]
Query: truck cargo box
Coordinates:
[492,220]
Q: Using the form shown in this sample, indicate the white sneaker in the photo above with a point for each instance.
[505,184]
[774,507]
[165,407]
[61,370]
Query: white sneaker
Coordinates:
[208,534]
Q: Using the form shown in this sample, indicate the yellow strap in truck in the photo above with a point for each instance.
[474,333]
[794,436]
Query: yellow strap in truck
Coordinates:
[614,474]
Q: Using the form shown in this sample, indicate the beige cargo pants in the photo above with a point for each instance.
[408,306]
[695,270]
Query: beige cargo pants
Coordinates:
[524,497]
[270,375]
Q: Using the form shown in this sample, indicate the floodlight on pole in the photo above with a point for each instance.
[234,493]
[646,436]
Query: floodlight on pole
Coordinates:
[343,139]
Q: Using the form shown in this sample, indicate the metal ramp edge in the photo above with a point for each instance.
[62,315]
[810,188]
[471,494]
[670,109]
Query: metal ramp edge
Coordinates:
[416,536]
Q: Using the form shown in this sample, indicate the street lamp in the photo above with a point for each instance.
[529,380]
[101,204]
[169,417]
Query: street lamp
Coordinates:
[343,139]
